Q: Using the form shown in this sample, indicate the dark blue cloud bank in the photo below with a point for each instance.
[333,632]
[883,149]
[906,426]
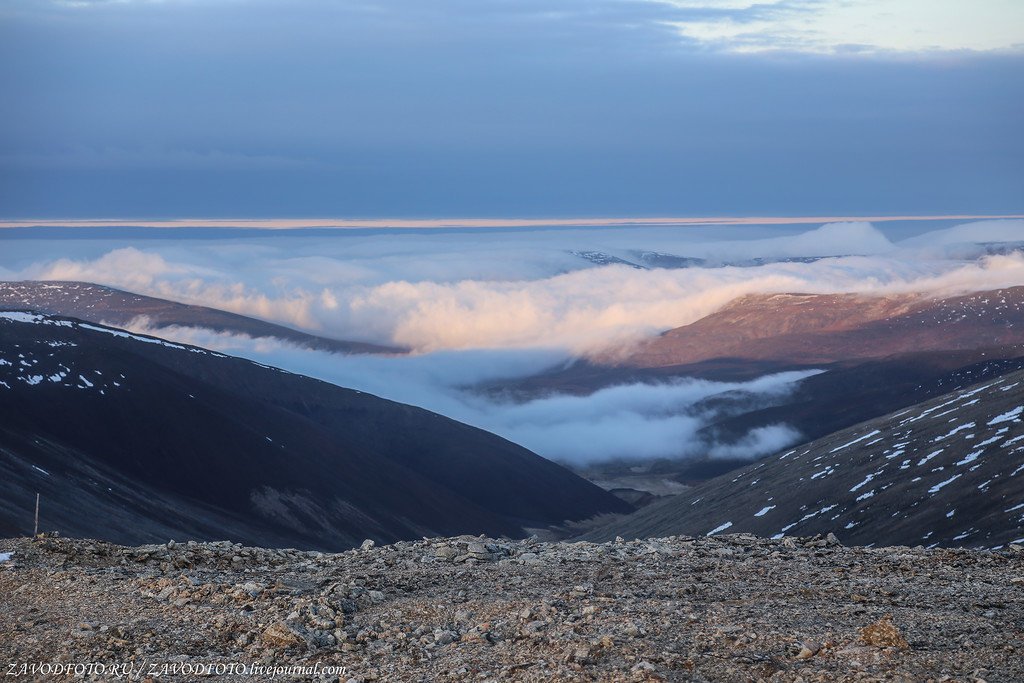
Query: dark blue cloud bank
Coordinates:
[481,107]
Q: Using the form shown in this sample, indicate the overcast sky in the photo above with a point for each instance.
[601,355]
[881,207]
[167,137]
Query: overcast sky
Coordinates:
[176,108]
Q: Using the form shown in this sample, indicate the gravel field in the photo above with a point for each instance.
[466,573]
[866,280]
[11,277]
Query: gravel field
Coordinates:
[725,608]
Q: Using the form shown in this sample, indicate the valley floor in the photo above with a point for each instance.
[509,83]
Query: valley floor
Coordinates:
[729,608]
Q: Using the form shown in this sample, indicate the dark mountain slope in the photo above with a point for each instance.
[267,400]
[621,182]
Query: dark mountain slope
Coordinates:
[851,393]
[100,304]
[177,441]
[820,405]
[946,472]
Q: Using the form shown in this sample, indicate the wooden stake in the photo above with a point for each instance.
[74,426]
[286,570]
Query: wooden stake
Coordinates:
[35,532]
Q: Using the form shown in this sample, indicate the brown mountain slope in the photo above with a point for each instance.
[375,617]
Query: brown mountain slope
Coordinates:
[759,334]
[100,304]
[819,328]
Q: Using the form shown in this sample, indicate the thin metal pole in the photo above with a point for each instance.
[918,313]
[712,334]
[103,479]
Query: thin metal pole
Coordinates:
[35,532]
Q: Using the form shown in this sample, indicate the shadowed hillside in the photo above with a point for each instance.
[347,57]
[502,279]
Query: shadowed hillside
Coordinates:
[132,438]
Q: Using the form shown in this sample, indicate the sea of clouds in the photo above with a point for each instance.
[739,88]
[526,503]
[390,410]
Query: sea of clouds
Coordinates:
[484,305]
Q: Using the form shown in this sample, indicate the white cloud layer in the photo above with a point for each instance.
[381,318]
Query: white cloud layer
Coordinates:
[865,25]
[484,305]
[506,290]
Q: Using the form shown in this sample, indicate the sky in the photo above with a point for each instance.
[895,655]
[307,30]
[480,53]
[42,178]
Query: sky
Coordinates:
[404,108]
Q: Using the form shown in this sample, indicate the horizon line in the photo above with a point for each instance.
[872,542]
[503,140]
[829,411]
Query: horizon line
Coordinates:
[469,223]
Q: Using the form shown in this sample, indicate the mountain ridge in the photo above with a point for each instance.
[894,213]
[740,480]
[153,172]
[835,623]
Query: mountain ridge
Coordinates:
[267,453]
[948,471]
[119,308]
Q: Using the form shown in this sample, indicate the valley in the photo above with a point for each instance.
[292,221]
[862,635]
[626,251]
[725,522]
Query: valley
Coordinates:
[132,438]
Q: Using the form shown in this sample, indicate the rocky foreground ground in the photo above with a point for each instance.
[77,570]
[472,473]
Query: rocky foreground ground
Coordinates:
[729,608]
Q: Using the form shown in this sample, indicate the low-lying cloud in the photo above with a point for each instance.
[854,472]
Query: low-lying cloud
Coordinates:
[482,306]
[757,442]
[631,421]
